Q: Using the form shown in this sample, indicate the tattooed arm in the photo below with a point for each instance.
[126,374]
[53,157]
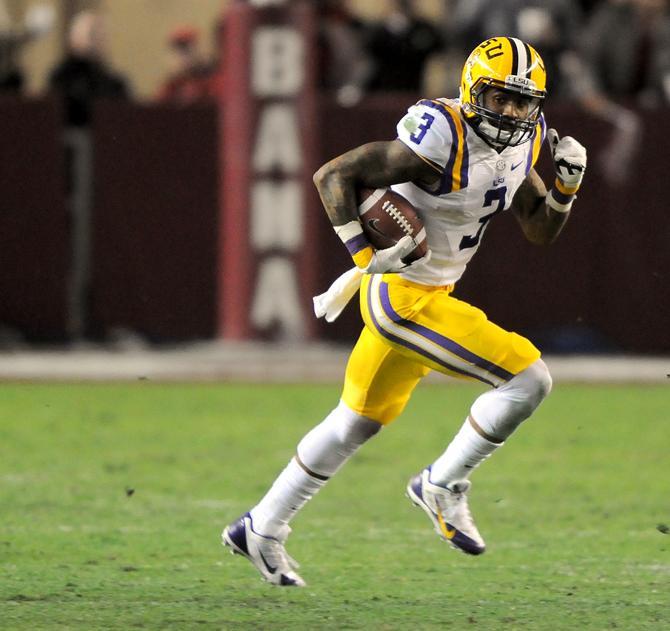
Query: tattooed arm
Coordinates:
[375,165]
[540,223]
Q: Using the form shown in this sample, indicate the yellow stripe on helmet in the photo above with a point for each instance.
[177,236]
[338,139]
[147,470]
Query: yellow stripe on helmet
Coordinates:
[538,73]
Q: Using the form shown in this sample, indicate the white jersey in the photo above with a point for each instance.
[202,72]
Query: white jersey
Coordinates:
[477,183]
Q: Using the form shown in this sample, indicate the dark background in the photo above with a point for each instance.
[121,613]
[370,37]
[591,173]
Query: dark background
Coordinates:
[602,287]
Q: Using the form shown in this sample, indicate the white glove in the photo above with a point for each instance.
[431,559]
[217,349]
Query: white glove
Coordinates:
[569,159]
[390,259]
[331,303]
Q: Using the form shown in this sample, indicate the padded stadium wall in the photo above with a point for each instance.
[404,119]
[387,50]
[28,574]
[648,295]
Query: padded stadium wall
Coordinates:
[204,221]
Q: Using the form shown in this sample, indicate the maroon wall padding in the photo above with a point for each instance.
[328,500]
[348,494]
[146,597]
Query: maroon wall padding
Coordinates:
[154,221]
[373,119]
[235,148]
[34,224]
[603,285]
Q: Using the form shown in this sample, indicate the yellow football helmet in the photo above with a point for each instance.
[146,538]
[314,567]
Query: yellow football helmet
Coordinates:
[510,65]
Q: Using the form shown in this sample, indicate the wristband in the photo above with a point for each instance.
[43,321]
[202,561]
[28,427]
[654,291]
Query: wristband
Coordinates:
[561,197]
[558,201]
[356,242]
[563,188]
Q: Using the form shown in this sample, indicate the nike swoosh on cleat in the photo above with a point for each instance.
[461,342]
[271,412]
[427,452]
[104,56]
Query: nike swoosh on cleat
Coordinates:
[269,568]
[449,533]
[514,166]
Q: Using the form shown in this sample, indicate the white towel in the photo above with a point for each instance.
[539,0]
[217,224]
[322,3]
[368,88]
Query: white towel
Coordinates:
[332,302]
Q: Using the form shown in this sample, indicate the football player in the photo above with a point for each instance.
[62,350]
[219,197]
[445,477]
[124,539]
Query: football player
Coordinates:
[460,162]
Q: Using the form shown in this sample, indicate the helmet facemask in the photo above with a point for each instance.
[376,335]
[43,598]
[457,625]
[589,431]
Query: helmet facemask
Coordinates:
[500,130]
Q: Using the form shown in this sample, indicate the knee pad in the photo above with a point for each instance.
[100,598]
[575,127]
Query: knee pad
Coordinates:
[536,380]
[500,411]
[351,427]
[326,447]
[530,386]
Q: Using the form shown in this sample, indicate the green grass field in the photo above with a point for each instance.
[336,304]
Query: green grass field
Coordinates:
[112,499]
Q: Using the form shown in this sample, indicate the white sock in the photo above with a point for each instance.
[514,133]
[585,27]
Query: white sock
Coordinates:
[320,454]
[497,413]
[290,492]
[465,452]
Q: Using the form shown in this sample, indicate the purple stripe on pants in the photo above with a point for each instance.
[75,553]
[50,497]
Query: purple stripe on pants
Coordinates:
[440,340]
[417,349]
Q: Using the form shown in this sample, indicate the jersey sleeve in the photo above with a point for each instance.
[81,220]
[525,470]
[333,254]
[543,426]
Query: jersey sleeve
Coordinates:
[431,130]
[536,142]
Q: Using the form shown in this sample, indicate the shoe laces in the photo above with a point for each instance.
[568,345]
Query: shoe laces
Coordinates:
[276,552]
[453,505]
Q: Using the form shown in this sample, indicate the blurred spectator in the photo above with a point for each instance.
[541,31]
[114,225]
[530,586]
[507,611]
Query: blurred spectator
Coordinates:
[588,6]
[191,78]
[84,74]
[400,46]
[625,56]
[38,21]
[551,26]
[344,66]
[626,50]
[586,64]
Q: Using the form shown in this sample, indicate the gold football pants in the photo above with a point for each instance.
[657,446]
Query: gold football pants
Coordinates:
[411,329]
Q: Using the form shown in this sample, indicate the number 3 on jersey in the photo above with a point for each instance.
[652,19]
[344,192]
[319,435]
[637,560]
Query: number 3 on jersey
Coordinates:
[489,197]
[421,130]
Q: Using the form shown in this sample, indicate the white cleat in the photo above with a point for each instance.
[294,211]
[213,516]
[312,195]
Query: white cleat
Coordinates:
[267,554]
[448,509]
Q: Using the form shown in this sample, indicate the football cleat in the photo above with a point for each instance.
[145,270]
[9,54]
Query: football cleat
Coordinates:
[267,554]
[448,509]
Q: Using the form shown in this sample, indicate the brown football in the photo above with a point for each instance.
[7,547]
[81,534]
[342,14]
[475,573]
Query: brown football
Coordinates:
[387,217]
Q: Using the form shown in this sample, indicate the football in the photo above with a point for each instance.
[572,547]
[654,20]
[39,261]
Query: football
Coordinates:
[387,217]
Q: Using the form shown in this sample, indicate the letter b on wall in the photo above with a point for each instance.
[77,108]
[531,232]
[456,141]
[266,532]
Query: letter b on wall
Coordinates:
[278,64]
